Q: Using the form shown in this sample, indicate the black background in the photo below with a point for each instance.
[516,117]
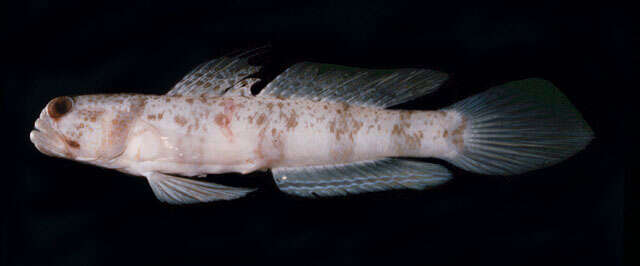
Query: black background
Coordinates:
[59,212]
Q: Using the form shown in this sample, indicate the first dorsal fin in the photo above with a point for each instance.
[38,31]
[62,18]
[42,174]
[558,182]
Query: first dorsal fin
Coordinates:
[219,76]
[357,86]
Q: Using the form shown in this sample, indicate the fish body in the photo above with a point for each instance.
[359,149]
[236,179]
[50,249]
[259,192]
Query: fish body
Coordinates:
[193,136]
[323,130]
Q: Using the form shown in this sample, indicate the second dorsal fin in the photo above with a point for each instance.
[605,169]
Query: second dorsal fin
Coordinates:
[357,86]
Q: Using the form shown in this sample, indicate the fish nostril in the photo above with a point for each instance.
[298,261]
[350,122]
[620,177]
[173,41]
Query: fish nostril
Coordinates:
[59,107]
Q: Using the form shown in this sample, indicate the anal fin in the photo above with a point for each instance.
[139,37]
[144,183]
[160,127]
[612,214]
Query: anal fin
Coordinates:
[368,176]
[178,190]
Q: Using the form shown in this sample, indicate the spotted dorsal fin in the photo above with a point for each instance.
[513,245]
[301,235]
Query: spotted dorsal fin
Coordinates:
[357,86]
[220,76]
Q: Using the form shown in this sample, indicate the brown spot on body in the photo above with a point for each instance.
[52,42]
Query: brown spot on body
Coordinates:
[151,117]
[405,115]
[292,120]
[407,139]
[397,130]
[72,144]
[115,140]
[261,119]
[189,100]
[458,134]
[118,122]
[224,119]
[223,122]
[180,120]
[355,128]
[339,127]
[228,105]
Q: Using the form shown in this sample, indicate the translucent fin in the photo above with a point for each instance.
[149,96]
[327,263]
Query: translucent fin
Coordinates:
[517,127]
[364,87]
[178,190]
[216,77]
[242,88]
[385,174]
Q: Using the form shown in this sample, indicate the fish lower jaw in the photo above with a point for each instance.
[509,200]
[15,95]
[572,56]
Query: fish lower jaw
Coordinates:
[47,144]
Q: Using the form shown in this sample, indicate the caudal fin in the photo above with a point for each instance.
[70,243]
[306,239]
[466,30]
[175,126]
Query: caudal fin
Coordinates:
[519,126]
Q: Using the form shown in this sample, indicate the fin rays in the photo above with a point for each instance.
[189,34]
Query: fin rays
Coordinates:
[518,127]
[178,190]
[219,76]
[364,87]
[384,174]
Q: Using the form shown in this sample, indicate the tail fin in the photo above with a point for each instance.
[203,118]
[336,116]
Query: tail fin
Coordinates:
[519,126]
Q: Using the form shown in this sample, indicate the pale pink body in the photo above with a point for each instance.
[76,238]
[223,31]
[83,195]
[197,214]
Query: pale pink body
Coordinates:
[322,129]
[195,136]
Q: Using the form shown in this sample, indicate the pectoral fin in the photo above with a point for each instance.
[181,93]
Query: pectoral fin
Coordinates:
[178,190]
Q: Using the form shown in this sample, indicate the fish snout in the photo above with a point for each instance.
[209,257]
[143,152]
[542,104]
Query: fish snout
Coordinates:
[46,140]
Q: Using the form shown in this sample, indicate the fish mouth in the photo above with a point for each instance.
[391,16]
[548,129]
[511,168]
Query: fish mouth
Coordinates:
[47,141]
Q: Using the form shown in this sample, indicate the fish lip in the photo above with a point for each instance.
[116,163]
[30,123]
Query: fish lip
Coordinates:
[41,143]
[47,140]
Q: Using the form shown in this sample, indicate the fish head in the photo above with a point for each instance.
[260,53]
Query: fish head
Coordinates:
[88,128]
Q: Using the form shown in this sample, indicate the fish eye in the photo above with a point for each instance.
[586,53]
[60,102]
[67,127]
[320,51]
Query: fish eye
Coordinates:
[59,106]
